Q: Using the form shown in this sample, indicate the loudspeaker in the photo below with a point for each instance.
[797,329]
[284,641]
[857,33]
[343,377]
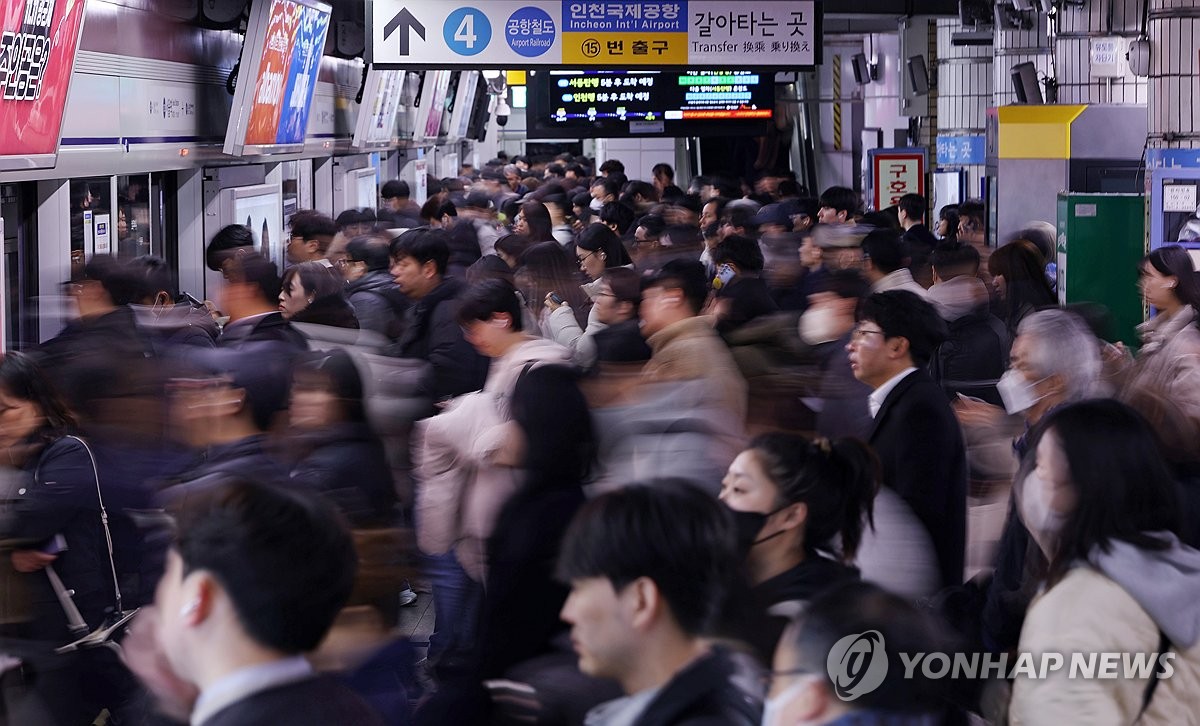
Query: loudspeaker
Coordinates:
[862,69]
[918,75]
[1025,83]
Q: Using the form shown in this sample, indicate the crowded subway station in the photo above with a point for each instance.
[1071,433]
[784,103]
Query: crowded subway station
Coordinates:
[599,363]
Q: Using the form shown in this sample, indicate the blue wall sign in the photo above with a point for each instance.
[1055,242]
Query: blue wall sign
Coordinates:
[961,150]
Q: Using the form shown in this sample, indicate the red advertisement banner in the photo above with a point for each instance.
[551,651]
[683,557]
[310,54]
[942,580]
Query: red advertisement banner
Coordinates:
[272,72]
[37,54]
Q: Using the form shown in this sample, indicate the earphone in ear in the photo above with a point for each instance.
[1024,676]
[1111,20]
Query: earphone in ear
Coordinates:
[499,323]
[189,608]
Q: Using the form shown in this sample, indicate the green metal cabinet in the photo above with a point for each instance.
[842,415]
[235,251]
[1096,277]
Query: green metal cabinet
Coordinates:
[1101,241]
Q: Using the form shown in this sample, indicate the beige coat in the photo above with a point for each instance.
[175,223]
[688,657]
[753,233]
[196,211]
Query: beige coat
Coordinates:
[1087,612]
[1169,361]
[689,350]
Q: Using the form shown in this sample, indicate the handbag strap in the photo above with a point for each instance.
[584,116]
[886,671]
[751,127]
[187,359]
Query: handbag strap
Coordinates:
[103,522]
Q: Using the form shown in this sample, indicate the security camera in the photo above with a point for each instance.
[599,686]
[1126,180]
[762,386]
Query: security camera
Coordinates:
[1139,57]
[503,111]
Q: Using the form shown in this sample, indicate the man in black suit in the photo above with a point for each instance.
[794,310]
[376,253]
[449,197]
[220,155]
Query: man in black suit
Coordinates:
[915,434]
[253,582]
[920,241]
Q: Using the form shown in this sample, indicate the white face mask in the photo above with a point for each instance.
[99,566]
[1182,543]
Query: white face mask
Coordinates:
[1017,393]
[773,709]
[1036,512]
[819,325]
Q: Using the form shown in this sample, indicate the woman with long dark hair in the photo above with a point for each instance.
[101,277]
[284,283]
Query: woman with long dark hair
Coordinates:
[546,270]
[1168,363]
[534,221]
[1104,510]
[1019,280]
[597,250]
[314,293]
[802,508]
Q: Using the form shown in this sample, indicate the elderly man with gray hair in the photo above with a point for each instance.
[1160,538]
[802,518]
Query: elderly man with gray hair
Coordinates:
[1055,361]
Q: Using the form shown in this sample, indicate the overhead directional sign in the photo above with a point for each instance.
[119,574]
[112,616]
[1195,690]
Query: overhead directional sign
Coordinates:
[784,34]
[404,22]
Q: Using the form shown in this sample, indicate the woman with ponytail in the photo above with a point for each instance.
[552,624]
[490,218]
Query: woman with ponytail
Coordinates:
[801,508]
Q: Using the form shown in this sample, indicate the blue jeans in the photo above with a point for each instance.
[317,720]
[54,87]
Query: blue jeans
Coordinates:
[456,602]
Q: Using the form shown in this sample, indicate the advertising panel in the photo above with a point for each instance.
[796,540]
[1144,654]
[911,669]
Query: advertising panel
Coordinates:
[37,53]
[376,127]
[284,43]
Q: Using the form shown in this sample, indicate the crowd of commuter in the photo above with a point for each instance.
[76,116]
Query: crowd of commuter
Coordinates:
[654,452]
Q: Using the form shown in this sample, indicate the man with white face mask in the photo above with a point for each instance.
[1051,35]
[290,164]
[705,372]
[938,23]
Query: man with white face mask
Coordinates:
[806,689]
[842,405]
[1055,360]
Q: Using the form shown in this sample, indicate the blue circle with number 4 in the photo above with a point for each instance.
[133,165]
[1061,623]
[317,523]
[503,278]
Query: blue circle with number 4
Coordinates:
[467,31]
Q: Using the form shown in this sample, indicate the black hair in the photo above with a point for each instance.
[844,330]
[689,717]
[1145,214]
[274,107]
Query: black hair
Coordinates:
[597,237]
[612,165]
[284,558]
[914,206]
[953,259]
[155,276]
[225,244]
[654,225]
[720,203]
[1175,261]
[840,199]
[423,245]
[686,276]
[371,249]
[741,251]
[743,216]
[617,214]
[846,284]
[254,269]
[902,314]
[618,178]
[490,297]
[556,169]
[313,225]
[316,279]
[664,170]
[23,378]
[683,237]
[1126,492]
[334,371]
[488,267]
[885,249]
[394,188]
[789,188]
[513,245]
[858,609]
[577,169]
[537,219]
[972,211]
[546,268]
[671,532]
[884,219]
[643,189]
[837,480]
[121,283]
[690,202]
[806,206]
[626,285]
[431,210]
[1021,265]
[726,187]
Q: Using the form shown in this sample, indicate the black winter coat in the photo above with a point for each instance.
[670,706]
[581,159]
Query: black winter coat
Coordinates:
[378,303]
[270,328]
[346,464]
[331,310]
[973,358]
[432,333]
[702,694]
[748,299]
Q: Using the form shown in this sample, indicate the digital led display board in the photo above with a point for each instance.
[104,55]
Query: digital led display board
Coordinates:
[600,103]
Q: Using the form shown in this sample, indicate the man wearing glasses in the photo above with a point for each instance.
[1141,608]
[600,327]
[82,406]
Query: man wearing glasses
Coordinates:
[914,432]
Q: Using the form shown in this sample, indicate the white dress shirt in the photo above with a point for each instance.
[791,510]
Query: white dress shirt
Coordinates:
[879,395]
[243,683]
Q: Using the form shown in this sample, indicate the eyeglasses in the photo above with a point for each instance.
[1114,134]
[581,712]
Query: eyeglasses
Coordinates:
[584,258]
[860,334]
[769,677]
